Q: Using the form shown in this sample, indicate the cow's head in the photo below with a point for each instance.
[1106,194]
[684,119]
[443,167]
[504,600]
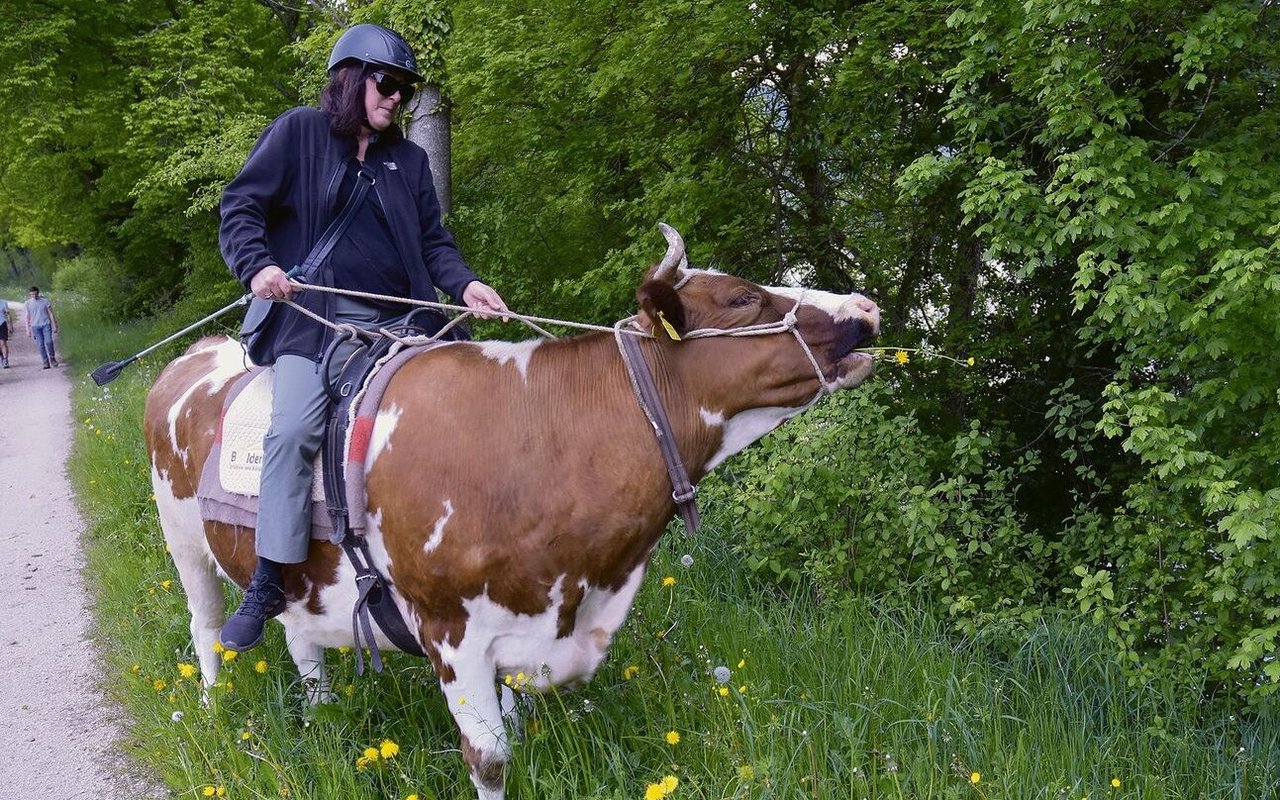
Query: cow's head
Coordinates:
[697,304]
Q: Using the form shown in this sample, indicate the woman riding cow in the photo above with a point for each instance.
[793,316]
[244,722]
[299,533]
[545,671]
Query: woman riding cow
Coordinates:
[299,178]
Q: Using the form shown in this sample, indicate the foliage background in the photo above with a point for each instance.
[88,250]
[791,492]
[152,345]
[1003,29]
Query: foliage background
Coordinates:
[1082,196]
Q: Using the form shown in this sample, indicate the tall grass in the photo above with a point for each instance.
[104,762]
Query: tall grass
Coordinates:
[733,690]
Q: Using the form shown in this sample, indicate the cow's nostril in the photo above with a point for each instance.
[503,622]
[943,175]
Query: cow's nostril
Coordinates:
[867,305]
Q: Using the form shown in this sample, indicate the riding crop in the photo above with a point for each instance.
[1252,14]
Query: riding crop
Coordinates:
[111,370]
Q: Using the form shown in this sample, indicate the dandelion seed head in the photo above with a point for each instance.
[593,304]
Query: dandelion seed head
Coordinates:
[176,716]
[686,561]
[722,674]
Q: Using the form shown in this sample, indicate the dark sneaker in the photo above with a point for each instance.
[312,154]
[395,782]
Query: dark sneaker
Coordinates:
[262,601]
[53,361]
[46,365]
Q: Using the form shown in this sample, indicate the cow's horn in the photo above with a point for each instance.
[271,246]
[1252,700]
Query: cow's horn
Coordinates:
[675,259]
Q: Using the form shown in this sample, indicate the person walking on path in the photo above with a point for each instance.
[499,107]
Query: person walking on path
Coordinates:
[42,325]
[4,333]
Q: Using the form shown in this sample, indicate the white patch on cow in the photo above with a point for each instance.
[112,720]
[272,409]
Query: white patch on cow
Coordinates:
[499,642]
[839,306]
[748,426]
[437,532]
[518,353]
[712,419]
[384,424]
[228,365]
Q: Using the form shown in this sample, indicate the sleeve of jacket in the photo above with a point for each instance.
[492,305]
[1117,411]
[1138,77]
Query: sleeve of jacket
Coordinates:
[252,196]
[448,270]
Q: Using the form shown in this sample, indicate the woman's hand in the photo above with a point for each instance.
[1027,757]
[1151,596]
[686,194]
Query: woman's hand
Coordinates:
[271,283]
[484,300]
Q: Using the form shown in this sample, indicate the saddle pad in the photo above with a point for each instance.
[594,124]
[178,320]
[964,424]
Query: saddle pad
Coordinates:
[244,423]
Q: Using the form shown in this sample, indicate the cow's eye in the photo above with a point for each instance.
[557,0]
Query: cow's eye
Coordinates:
[743,300]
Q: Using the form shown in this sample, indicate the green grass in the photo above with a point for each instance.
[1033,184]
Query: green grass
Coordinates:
[848,701]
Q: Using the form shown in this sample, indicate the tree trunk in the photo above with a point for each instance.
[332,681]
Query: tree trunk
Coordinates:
[428,128]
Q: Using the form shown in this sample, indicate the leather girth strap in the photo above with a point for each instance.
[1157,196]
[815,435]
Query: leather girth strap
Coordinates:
[684,493]
[374,595]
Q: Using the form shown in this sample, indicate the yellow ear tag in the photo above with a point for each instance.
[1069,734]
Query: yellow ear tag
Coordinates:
[668,327]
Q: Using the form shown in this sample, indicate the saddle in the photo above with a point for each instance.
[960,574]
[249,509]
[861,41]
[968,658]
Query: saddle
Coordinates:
[229,483]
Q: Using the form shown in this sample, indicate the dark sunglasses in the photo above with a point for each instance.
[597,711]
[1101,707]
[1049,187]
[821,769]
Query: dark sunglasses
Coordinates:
[388,86]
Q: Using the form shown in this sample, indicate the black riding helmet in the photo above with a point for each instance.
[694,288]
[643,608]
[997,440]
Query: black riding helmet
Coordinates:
[374,44]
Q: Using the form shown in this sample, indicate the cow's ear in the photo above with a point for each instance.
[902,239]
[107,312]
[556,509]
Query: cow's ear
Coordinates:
[661,310]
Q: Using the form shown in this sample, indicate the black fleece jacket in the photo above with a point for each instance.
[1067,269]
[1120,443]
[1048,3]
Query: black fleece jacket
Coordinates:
[287,193]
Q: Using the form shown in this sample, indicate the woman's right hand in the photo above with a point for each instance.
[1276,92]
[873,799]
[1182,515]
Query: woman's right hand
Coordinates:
[271,283]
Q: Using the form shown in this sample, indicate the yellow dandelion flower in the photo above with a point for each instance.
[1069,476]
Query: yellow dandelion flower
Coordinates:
[746,772]
[668,581]
[901,357]
[669,783]
[229,655]
[136,668]
[508,680]
[246,736]
[363,763]
[971,361]
[166,583]
[673,738]
[975,777]
[221,792]
[187,670]
[630,672]
[284,792]
[218,648]
[654,792]
[1115,783]
[724,691]
[231,687]
[260,667]
[388,748]
[158,685]
[742,663]
[412,797]
[208,791]
[344,649]
[371,753]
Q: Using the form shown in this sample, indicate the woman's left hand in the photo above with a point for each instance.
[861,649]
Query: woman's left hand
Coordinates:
[484,300]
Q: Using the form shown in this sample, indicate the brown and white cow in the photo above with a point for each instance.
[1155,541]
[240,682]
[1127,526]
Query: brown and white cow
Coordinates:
[515,490]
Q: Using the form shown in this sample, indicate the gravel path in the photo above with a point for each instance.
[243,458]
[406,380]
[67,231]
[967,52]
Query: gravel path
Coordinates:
[60,736]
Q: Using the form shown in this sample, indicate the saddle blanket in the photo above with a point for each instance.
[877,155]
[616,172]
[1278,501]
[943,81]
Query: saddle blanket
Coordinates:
[231,478]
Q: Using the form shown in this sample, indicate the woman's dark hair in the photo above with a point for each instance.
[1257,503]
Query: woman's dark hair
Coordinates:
[343,100]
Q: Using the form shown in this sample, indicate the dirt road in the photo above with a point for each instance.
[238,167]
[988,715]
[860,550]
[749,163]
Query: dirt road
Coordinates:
[59,734]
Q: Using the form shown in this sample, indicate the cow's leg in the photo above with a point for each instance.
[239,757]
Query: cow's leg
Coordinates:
[184,535]
[474,704]
[309,659]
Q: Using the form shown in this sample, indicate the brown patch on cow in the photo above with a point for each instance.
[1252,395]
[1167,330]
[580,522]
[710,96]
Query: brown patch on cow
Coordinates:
[233,548]
[485,768]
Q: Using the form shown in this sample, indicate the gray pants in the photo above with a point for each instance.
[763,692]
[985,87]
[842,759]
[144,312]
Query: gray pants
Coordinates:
[299,409]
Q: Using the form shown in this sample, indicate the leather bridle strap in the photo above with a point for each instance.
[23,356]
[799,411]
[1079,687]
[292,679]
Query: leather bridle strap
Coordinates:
[684,493]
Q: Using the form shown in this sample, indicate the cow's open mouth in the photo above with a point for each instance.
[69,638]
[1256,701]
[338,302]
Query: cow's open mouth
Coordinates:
[852,366]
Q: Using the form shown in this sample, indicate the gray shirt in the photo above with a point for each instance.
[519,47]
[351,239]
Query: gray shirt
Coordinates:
[38,312]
